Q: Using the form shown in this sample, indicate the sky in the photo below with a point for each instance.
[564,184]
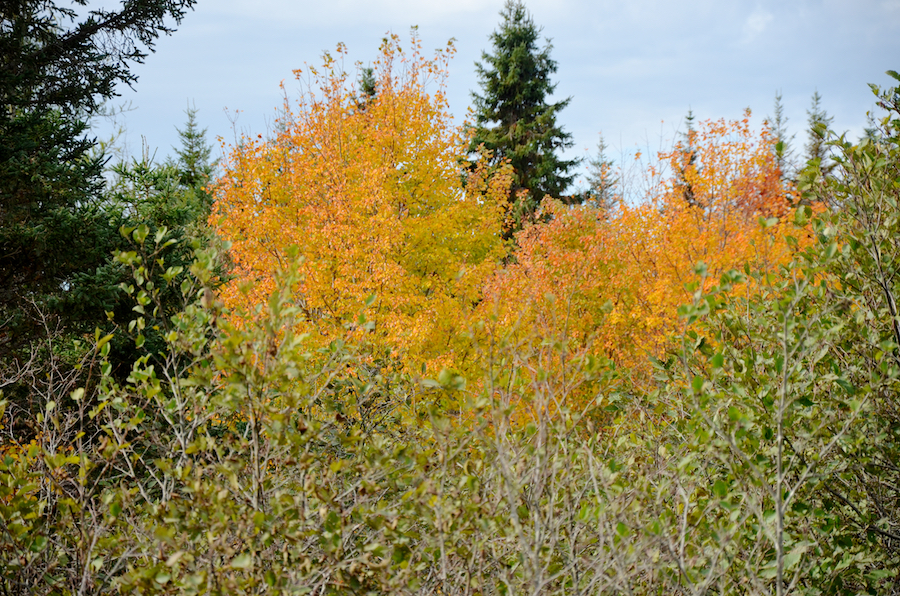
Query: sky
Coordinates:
[632,68]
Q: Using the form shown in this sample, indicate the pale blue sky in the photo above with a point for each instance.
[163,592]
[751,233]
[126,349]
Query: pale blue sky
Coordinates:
[632,68]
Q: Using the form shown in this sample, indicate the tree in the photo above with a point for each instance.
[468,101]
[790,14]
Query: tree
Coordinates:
[194,163]
[784,153]
[513,119]
[171,193]
[368,86]
[686,162]
[864,197]
[168,200]
[373,202]
[601,180]
[55,235]
[818,122]
[616,283]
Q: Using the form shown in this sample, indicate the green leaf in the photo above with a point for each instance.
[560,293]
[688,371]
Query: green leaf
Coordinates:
[720,489]
[802,215]
[140,234]
[242,561]
[792,558]
[697,384]
[38,544]
[270,578]
[102,341]
[846,386]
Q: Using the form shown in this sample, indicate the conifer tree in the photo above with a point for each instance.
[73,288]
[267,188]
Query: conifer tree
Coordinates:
[513,117]
[688,159]
[55,71]
[366,88]
[818,122]
[194,164]
[784,153]
[601,180]
[173,195]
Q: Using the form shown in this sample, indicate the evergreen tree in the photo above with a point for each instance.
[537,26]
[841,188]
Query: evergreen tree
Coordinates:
[784,153]
[55,234]
[818,122]
[601,180]
[367,84]
[870,130]
[366,88]
[689,158]
[170,195]
[195,165]
[513,119]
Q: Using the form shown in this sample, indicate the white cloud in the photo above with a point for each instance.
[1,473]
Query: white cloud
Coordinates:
[355,12]
[756,24]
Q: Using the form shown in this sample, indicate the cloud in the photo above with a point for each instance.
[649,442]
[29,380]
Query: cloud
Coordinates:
[355,12]
[756,24]
[626,64]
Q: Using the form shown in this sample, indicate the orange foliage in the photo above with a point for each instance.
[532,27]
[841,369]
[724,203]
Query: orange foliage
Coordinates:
[369,190]
[612,283]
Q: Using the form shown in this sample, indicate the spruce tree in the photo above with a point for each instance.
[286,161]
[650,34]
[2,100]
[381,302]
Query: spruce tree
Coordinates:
[601,179]
[56,236]
[171,195]
[818,122]
[784,153]
[195,165]
[513,117]
[688,159]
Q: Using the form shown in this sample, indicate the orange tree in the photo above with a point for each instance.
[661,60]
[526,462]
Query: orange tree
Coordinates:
[364,181]
[611,283]
[734,215]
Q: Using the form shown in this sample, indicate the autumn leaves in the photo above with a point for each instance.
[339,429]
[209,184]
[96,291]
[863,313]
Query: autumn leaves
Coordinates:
[403,248]
[371,193]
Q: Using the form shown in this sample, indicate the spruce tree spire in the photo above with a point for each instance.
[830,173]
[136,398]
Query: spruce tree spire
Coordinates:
[783,150]
[688,159]
[513,119]
[602,181]
[194,156]
[194,165]
[818,121]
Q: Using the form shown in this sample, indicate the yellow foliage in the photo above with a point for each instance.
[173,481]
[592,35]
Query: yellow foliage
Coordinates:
[369,190]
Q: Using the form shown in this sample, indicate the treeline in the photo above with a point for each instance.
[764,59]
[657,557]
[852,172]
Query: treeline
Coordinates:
[378,353]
